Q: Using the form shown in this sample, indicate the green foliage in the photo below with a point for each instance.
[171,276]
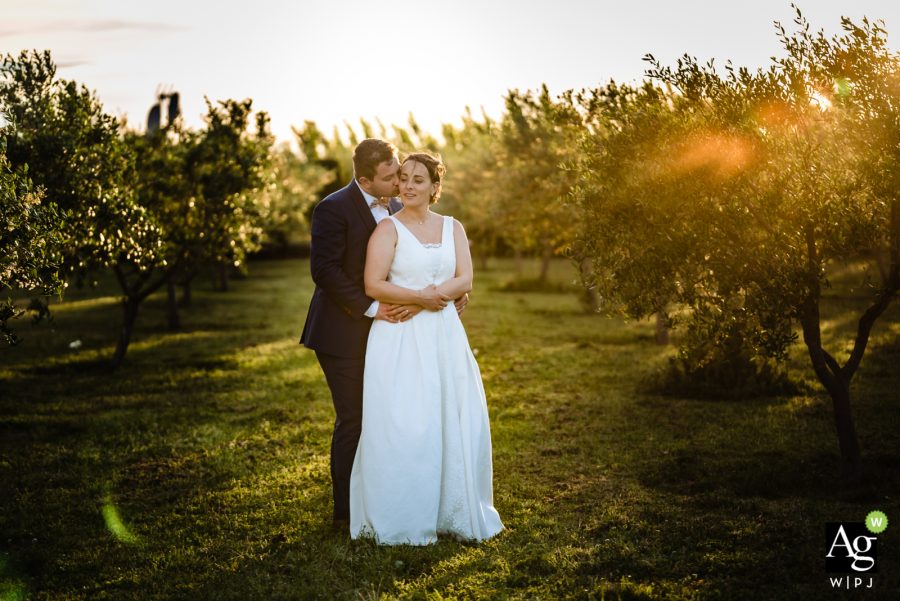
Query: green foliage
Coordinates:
[728,195]
[717,361]
[75,154]
[735,196]
[163,187]
[291,189]
[504,180]
[145,206]
[29,246]
[201,186]
[227,165]
[332,154]
[470,190]
[537,138]
[631,207]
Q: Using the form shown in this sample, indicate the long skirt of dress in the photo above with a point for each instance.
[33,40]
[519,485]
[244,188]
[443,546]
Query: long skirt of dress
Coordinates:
[423,465]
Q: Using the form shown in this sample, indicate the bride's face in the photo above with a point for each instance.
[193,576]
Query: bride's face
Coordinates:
[416,188]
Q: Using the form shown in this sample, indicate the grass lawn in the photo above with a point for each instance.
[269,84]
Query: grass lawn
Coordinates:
[200,469]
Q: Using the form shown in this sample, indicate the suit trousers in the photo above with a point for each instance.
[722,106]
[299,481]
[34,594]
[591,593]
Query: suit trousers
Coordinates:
[345,379]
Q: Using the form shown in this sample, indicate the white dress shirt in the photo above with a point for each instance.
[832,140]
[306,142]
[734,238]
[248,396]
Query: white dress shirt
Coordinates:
[379,212]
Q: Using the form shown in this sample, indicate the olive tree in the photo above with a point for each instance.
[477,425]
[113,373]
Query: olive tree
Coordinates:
[470,191]
[76,155]
[734,195]
[29,247]
[227,167]
[536,135]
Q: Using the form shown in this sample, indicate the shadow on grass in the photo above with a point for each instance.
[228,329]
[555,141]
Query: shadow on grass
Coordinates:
[740,504]
[325,564]
[767,474]
[172,438]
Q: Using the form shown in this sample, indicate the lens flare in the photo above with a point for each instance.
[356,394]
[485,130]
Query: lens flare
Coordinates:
[724,155]
[842,87]
[115,524]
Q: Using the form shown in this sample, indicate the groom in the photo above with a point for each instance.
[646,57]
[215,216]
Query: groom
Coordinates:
[340,314]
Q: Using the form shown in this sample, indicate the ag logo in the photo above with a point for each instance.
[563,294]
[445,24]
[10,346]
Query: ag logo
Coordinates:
[850,547]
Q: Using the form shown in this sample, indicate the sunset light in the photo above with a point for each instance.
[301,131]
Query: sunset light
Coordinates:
[449,300]
[316,60]
[820,100]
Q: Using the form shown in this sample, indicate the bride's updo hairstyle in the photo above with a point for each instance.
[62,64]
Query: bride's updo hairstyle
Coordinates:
[435,168]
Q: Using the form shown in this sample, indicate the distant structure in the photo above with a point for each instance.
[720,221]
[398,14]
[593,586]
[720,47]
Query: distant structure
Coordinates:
[172,102]
[153,119]
[174,107]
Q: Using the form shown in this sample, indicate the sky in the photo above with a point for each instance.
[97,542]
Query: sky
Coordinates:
[336,61]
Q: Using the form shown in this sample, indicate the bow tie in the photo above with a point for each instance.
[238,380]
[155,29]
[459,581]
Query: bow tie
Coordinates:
[377,203]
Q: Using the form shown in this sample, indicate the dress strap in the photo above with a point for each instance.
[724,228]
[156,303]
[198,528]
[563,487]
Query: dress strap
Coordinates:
[398,225]
[447,236]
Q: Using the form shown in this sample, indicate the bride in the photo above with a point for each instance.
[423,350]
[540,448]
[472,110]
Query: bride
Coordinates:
[423,465]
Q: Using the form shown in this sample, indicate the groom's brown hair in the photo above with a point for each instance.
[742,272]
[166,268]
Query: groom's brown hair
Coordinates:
[370,153]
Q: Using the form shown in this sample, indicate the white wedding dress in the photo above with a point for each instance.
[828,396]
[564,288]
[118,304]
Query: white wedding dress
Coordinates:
[423,465]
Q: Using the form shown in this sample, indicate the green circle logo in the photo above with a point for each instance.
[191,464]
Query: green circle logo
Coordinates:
[876,522]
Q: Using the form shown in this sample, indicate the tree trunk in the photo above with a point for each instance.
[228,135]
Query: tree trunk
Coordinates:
[222,273]
[129,317]
[186,298]
[833,377]
[837,384]
[593,298]
[519,262]
[546,255]
[851,461]
[662,330]
[172,304]
[135,292]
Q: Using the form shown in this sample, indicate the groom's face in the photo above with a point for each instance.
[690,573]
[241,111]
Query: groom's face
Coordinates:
[386,180]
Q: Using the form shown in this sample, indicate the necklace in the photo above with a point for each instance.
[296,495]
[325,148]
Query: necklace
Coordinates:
[424,219]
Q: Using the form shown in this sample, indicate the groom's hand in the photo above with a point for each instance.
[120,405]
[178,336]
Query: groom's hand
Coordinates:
[461,303]
[387,312]
[404,312]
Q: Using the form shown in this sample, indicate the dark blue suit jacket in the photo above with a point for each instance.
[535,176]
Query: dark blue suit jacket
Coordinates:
[341,225]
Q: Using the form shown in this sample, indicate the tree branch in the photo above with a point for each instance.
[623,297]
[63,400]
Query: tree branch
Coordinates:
[812,336]
[832,363]
[120,276]
[864,327]
[154,286]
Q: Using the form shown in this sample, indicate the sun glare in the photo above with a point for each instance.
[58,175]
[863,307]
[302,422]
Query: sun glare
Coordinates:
[820,100]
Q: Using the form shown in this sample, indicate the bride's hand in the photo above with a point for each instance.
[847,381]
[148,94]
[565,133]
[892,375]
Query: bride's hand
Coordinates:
[430,298]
